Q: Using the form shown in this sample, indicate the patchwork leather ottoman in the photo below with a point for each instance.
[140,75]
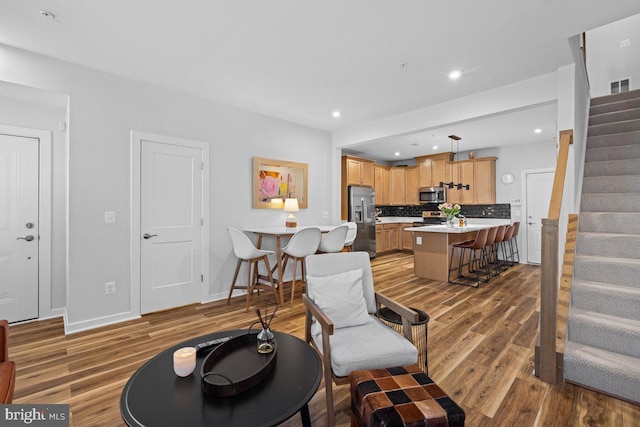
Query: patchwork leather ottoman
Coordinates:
[401,396]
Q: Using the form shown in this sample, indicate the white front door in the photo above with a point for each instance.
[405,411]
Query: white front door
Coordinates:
[19,235]
[171,195]
[539,187]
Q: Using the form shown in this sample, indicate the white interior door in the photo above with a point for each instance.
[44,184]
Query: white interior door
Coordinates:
[170,225]
[539,186]
[19,236]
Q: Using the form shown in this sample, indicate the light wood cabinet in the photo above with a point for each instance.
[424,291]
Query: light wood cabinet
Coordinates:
[407,237]
[398,183]
[432,169]
[392,237]
[412,185]
[355,171]
[480,174]
[382,244]
[381,185]
[485,179]
[358,171]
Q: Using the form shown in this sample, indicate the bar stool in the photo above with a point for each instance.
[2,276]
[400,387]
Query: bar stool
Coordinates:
[474,263]
[508,235]
[514,242]
[495,260]
[303,243]
[334,240]
[351,236]
[245,251]
[488,248]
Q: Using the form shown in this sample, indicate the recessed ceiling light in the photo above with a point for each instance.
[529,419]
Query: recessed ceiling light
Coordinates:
[454,74]
[336,114]
[47,14]
[537,130]
[397,153]
[435,147]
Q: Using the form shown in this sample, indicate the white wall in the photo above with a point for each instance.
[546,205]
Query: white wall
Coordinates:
[103,111]
[607,61]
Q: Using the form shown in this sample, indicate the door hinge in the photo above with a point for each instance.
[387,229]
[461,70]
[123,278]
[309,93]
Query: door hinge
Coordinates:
[201,221]
[202,278]
[202,165]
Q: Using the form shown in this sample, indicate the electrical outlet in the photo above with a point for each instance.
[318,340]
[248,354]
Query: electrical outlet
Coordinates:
[418,240]
[325,214]
[625,43]
[110,288]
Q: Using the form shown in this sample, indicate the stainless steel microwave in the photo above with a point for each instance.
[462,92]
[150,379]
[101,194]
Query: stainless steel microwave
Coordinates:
[433,195]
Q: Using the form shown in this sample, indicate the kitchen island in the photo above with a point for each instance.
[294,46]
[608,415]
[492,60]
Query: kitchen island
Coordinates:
[432,247]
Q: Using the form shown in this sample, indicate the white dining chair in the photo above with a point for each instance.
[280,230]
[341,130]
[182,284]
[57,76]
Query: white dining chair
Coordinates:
[303,243]
[245,251]
[351,235]
[334,240]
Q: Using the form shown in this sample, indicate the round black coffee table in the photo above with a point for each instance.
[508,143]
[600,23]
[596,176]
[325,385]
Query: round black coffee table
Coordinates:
[155,396]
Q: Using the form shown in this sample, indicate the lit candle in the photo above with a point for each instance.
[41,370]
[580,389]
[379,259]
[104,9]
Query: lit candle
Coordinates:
[184,361]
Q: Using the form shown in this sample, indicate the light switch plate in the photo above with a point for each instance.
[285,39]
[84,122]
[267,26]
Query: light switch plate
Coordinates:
[109,217]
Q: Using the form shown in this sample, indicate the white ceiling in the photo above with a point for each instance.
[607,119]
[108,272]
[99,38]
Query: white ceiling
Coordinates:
[301,60]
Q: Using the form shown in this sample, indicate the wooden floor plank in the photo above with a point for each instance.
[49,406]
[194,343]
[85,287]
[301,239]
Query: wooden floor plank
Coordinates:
[480,348]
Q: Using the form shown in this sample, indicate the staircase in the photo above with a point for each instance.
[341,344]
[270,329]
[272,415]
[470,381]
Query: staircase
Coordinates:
[603,338]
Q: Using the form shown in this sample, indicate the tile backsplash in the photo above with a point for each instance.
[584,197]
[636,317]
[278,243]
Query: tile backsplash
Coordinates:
[500,210]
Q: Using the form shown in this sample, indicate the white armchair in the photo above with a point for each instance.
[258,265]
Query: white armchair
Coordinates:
[340,324]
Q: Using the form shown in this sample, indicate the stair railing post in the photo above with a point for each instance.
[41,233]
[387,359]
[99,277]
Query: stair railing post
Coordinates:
[548,370]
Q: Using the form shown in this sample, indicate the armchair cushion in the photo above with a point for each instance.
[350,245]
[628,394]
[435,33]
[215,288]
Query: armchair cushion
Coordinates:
[370,346]
[340,297]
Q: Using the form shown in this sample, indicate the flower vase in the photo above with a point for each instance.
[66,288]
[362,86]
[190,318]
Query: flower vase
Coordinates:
[450,219]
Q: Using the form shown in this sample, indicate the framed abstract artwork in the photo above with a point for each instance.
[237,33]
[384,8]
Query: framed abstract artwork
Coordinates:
[276,180]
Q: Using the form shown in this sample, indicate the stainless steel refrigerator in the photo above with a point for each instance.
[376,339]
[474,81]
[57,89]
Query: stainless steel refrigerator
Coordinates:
[362,211]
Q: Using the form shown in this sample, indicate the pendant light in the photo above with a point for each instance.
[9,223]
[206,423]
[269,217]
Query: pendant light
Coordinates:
[451,184]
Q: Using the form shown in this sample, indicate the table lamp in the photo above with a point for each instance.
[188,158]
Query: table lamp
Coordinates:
[291,206]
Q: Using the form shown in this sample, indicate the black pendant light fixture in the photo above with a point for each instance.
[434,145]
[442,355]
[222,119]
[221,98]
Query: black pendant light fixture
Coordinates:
[452,184]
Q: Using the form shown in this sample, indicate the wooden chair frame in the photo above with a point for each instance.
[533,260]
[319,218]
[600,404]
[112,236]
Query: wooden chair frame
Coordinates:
[408,316]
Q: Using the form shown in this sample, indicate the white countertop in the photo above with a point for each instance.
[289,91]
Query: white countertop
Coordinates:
[398,219]
[456,229]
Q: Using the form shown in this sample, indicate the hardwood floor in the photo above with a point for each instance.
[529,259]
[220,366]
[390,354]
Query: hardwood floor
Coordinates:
[480,349]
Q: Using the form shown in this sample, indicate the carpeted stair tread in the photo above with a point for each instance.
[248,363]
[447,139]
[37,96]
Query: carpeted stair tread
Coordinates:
[615,184]
[606,298]
[612,167]
[621,152]
[610,202]
[612,373]
[613,128]
[616,97]
[614,245]
[612,333]
[617,271]
[609,222]
[625,138]
[626,104]
[614,116]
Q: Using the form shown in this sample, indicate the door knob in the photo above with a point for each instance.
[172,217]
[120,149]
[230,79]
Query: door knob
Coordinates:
[148,236]
[531,223]
[27,238]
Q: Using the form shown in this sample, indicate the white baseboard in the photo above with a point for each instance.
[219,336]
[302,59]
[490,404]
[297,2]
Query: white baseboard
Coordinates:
[72,328]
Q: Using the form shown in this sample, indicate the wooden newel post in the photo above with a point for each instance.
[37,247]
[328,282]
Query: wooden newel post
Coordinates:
[548,370]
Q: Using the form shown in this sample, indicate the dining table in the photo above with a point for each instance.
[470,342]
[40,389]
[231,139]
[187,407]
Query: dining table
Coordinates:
[278,233]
